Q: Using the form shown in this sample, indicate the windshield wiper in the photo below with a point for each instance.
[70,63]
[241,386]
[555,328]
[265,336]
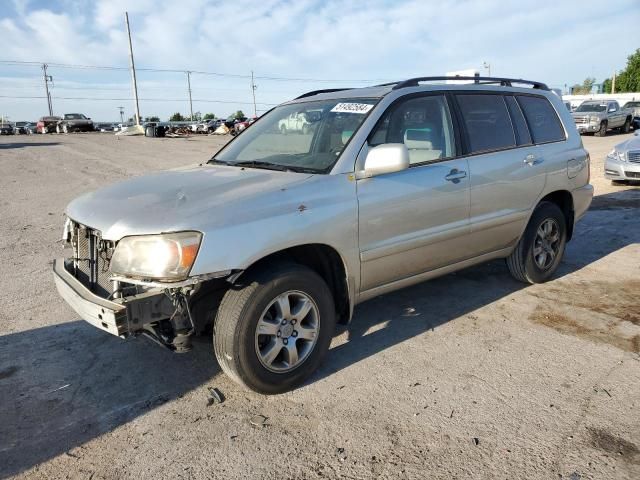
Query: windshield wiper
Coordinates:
[265,165]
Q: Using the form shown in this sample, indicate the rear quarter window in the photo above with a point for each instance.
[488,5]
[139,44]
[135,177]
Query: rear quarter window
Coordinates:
[543,121]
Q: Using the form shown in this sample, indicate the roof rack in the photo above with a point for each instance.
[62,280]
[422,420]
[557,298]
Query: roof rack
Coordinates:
[505,82]
[326,90]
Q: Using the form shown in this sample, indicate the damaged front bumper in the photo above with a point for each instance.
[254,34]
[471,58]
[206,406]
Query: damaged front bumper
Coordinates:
[122,316]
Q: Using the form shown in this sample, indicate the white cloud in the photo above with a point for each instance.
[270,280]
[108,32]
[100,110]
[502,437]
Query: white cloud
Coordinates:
[549,41]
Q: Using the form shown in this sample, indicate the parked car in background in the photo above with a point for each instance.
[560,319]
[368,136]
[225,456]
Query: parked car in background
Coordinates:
[105,127]
[47,124]
[599,116]
[635,112]
[31,127]
[6,129]
[20,128]
[74,122]
[296,122]
[623,162]
[277,237]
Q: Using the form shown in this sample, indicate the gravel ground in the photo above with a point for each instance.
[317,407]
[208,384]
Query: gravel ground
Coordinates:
[472,375]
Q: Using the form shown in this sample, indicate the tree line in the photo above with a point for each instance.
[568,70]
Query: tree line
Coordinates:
[627,80]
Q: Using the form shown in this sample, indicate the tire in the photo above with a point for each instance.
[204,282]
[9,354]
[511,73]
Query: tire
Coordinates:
[523,264]
[626,128]
[283,129]
[602,131]
[243,353]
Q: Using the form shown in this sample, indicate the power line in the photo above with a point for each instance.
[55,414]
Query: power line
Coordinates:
[197,72]
[122,99]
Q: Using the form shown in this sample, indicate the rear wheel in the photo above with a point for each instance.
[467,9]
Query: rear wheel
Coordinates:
[602,131]
[626,128]
[271,333]
[539,251]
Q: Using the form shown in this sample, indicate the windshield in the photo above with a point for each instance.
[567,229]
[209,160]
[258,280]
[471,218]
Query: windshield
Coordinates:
[74,116]
[306,137]
[591,107]
[631,104]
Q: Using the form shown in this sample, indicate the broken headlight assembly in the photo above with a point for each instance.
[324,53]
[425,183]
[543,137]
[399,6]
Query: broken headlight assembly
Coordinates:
[168,256]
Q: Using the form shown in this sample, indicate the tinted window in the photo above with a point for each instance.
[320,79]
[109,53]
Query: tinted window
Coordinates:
[543,121]
[423,124]
[520,124]
[487,122]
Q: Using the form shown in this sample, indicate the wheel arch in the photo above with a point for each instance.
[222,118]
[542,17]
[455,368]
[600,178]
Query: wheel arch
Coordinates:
[322,259]
[564,200]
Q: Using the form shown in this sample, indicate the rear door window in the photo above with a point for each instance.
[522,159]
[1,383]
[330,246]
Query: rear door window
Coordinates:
[487,122]
[543,121]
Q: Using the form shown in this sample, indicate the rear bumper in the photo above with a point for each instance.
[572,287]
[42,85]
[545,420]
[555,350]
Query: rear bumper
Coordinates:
[582,200]
[99,312]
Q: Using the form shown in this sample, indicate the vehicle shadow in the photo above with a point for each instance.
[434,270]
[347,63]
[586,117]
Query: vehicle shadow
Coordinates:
[10,146]
[63,385]
[610,225]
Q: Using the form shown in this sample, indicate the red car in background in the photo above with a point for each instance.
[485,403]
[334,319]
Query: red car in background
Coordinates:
[47,124]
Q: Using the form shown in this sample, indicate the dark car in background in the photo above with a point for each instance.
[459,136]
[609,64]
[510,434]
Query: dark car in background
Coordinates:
[47,124]
[20,128]
[74,122]
[6,129]
[635,108]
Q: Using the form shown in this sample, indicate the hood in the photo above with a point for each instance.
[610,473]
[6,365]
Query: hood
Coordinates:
[588,114]
[632,144]
[193,198]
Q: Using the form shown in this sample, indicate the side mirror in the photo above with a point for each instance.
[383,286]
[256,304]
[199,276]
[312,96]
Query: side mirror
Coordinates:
[386,158]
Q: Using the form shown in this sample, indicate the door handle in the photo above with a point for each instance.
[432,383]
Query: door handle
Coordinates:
[531,160]
[455,175]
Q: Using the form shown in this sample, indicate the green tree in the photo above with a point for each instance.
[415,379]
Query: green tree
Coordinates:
[585,88]
[176,117]
[629,79]
[152,119]
[209,116]
[606,86]
[239,114]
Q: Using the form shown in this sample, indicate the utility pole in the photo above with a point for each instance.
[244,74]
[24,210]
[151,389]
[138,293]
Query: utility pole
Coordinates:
[121,114]
[47,79]
[190,101]
[133,70]
[253,91]
[613,83]
[488,67]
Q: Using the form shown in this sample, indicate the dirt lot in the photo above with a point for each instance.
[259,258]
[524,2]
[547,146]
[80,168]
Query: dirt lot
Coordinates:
[472,375]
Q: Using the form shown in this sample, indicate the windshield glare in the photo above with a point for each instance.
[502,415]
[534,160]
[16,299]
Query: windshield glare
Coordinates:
[306,136]
[591,107]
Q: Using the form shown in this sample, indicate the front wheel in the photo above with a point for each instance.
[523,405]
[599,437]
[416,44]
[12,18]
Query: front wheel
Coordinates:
[539,251]
[602,131]
[273,331]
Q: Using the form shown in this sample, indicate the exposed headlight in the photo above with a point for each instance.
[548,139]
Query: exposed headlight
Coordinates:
[616,155]
[594,119]
[168,256]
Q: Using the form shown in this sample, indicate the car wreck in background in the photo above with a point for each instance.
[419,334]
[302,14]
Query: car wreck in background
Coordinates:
[47,124]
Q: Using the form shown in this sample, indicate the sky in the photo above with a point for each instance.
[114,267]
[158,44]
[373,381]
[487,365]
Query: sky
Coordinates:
[291,46]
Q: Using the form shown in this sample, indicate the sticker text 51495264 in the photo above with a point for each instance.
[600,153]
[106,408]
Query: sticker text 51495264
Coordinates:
[352,108]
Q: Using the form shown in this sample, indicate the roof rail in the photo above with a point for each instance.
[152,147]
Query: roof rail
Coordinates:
[316,92]
[505,82]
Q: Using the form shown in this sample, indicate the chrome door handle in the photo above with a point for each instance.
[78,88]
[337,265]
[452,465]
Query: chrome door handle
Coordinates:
[455,175]
[531,160]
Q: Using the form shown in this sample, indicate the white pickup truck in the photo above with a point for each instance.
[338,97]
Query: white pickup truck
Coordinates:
[598,116]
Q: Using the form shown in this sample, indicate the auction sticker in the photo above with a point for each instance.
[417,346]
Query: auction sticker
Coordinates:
[352,108]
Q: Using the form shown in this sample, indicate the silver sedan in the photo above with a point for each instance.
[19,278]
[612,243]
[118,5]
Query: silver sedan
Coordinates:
[623,162]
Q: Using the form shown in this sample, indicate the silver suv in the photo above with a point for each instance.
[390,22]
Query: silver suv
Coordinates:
[278,236]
